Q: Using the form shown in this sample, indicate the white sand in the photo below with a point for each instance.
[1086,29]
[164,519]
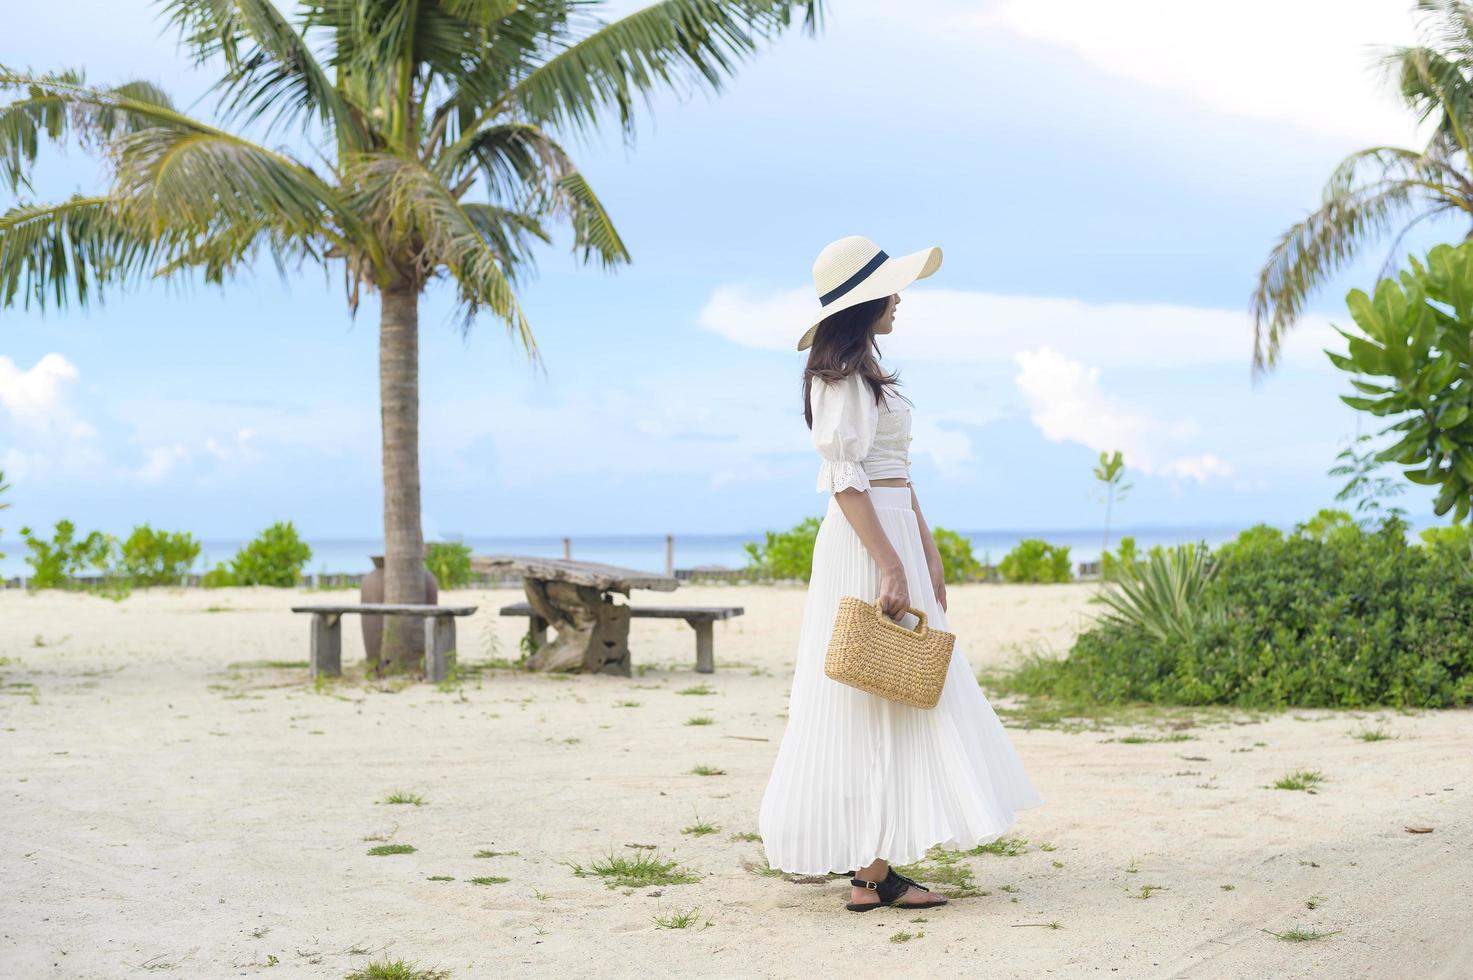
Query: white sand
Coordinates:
[161,809]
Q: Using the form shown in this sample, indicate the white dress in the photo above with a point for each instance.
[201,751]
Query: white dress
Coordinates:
[858,777]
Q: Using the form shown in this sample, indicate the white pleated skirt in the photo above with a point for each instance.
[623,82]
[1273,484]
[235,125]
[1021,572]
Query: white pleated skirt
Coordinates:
[858,777]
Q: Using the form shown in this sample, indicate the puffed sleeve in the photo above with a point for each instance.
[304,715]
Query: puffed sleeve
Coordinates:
[844,419]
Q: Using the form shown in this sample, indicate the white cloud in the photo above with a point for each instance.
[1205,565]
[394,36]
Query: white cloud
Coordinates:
[1067,404]
[1305,62]
[951,325]
[161,462]
[35,398]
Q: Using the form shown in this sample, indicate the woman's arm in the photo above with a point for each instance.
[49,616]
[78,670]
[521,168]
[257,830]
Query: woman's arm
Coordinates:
[859,511]
[933,553]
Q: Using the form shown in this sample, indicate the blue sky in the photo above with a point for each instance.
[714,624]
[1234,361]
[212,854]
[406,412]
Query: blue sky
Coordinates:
[1104,189]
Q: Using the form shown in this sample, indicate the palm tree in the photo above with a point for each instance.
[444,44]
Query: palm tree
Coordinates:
[422,150]
[1383,188]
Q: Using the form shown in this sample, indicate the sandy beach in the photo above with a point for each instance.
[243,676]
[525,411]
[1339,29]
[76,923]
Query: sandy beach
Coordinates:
[182,800]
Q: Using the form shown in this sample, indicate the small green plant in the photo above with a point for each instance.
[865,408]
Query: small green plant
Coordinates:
[700,720]
[1002,847]
[395,970]
[439,878]
[704,770]
[902,937]
[1301,935]
[1315,901]
[450,563]
[626,704]
[700,828]
[700,690]
[1148,890]
[1035,560]
[957,561]
[405,798]
[1300,779]
[784,555]
[150,557]
[951,875]
[489,880]
[681,920]
[496,854]
[646,868]
[746,836]
[383,850]
[56,563]
[276,557]
[1376,734]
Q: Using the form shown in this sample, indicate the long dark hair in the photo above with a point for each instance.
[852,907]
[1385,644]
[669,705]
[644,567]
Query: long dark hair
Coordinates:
[844,343]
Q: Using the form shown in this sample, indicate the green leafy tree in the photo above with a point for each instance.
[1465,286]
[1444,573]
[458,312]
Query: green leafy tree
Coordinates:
[275,557]
[1364,487]
[1035,560]
[425,131]
[56,563]
[450,563]
[150,557]
[1110,473]
[1385,188]
[1414,342]
[784,554]
[957,561]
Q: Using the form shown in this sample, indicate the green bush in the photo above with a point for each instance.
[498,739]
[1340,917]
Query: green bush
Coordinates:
[786,554]
[152,557]
[219,577]
[56,563]
[1327,616]
[956,556]
[1035,560]
[1121,561]
[1456,538]
[450,563]
[276,557]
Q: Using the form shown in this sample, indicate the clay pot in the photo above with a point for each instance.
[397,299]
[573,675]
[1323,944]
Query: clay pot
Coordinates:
[373,591]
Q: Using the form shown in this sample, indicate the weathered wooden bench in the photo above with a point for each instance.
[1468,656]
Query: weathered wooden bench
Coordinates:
[699,617]
[327,634]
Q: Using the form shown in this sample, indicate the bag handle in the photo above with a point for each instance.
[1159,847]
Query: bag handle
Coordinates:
[920,614]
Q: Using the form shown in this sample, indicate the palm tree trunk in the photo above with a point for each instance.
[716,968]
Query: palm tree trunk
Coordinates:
[404,570]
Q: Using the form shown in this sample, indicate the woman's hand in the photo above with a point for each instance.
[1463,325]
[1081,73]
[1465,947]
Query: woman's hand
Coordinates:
[894,597]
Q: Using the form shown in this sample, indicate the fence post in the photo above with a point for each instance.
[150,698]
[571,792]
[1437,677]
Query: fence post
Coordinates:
[567,549]
[670,555]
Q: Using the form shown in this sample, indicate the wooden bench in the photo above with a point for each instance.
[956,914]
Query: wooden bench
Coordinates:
[327,634]
[699,617]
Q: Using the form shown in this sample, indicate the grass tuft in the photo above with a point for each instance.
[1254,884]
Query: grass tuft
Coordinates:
[700,690]
[644,869]
[707,771]
[682,920]
[700,720]
[1301,935]
[408,798]
[396,970]
[386,849]
[490,880]
[1378,734]
[1002,847]
[1301,779]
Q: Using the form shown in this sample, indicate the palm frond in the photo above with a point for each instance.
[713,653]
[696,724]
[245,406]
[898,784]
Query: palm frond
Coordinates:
[269,66]
[679,45]
[1350,216]
[1166,595]
[411,200]
[593,230]
[65,254]
[61,105]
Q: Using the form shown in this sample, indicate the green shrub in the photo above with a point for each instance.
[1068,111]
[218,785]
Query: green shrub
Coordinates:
[786,554]
[1322,617]
[276,557]
[1456,538]
[450,563]
[1165,595]
[1121,561]
[56,563]
[1035,560]
[219,577]
[152,557]
[956,556]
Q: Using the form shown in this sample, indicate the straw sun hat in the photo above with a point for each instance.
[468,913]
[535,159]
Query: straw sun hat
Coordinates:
[855,270]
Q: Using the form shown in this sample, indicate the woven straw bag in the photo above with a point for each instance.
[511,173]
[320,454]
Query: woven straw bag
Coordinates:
[872,652]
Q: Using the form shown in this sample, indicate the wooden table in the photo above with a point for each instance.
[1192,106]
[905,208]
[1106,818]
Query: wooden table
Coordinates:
[575,598]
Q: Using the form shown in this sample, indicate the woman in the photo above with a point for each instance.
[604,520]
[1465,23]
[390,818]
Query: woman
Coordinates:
[861,781]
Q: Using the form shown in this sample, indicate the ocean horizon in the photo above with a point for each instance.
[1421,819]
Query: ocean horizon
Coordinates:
[646,552]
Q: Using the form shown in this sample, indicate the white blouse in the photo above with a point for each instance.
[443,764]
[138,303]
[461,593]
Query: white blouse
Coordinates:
[858,439]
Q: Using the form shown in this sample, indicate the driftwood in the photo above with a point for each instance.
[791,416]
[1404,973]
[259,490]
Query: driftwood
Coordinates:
[574,597]
[596,575]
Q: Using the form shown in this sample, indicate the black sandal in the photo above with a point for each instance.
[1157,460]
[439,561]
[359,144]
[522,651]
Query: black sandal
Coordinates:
[890,891]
